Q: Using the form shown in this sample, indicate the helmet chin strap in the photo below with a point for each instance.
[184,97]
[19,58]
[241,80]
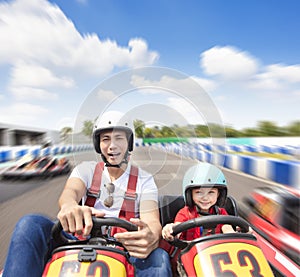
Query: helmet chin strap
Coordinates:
[199,211]
[108,164]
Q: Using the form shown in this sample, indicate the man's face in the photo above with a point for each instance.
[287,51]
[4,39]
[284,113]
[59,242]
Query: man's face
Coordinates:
[113,145]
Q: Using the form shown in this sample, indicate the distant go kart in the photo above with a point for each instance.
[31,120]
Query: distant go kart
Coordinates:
[46,166]
[274,214]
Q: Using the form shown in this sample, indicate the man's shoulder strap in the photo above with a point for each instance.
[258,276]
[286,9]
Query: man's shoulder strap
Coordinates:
[94,191]
[128,208]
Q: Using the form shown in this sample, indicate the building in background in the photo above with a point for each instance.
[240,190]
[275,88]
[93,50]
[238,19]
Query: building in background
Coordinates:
[14,135]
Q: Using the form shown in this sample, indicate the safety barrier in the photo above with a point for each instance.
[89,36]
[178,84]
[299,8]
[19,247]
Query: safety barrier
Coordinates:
[286,172]
[279,171]
[16,152]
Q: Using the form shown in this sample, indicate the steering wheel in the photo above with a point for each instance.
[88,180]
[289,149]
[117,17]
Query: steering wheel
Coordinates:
[208,222]
[98,222]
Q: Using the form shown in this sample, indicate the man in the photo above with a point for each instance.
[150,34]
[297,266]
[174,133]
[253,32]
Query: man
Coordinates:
[113,138]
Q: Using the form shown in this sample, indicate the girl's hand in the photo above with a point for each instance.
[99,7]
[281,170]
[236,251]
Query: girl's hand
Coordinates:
[168,230]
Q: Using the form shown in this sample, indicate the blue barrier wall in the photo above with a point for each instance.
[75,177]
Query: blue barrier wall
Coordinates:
[14,153]
[280,171]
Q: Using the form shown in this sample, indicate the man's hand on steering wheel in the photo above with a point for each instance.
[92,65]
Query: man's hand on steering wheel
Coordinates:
[77,219]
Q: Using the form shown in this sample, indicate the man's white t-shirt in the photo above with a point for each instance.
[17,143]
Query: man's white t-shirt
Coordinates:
[146,188]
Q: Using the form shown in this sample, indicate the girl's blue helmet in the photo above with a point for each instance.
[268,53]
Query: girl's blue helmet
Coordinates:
[204,175]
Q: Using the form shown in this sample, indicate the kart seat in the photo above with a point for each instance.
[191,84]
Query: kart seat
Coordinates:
[231,206]
[169,205]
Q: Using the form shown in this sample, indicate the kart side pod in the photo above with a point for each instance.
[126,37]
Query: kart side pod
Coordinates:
[224,255]
[84,260]
[231,254]
[97,256]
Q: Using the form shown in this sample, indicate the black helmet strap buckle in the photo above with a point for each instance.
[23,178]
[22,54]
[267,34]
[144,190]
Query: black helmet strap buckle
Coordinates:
[214,207]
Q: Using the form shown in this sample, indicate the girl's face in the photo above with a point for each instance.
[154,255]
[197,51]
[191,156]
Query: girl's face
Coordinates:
[205,197]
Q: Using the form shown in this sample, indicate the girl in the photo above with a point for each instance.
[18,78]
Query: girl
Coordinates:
[205,191]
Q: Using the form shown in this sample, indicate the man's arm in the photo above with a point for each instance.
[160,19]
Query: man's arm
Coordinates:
[149,214]
[142,242]
[73,191]
[74,217]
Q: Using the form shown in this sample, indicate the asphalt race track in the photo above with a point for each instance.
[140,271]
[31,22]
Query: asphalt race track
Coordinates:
[40,196]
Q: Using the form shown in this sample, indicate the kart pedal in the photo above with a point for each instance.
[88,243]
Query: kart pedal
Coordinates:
[87,254]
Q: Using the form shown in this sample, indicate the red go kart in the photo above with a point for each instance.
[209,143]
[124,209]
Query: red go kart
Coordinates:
[235,254]
[274,215]
[100,255]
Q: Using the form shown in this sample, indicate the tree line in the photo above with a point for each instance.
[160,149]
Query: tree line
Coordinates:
[262,129]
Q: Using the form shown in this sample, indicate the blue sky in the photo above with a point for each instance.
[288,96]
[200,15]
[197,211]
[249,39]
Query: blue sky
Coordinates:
[244,54]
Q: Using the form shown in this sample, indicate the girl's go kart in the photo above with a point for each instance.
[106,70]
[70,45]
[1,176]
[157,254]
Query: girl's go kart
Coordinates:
[236,254]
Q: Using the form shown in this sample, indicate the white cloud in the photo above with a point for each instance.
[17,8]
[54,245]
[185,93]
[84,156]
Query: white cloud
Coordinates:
[184,95]
[296,92]
[37,76]
[290,73]
[186,86]
[106,95]
[187,110]
[47,58]
[138,54]
[228,63]
[263,81]
[277,77]
[25,93]
[239,70]
[244,85]
[36,32]
[21,113]
[30,81]
[206,84]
